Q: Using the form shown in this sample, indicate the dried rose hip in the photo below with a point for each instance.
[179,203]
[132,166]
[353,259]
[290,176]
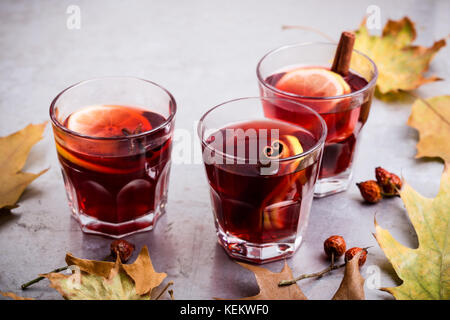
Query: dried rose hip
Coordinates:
[396,182]
[389,182]
[353,251]
[370,191]
[382,176]
[334,245]
[124,248]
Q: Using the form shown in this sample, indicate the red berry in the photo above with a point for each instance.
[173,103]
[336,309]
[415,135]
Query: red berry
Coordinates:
[389,182]
[353,251]
[124,248]
[395,184]
[334,245]
[370,191]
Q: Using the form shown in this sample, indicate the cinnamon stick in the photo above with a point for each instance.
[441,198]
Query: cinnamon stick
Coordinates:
[343,55]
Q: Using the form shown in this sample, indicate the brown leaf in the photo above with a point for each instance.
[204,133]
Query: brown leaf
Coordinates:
[352,285]
[87,286]
[14,296]
[14,150]
[141,271]
[99,268]
[268,284]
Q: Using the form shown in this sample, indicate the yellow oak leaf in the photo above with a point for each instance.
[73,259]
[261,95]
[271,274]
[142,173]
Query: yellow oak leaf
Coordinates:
[431,117]
[425,270]
[102,280]
[400,63]
[14,150]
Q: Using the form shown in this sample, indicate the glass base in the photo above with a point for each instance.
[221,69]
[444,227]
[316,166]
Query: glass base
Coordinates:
[328,186]
[257,253]
[119,230]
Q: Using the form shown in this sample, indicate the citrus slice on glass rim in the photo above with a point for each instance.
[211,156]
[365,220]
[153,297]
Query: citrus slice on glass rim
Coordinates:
[108,121]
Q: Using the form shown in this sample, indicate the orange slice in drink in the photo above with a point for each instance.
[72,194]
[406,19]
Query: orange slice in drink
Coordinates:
[102,121]
[89,165]
[108,121]
[314,82]
[273,215]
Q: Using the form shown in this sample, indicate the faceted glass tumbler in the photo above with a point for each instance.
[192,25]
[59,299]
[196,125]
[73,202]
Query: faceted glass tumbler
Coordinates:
[345,120]
[116,185]
[261,202]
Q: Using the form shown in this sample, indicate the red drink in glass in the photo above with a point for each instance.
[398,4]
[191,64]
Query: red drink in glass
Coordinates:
[248,205]
[344,125]
[301,73]
[261,174]
[115,161]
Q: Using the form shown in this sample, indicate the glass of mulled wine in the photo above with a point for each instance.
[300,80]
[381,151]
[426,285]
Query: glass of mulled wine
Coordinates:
[301,73]
[261,173]
[113,138]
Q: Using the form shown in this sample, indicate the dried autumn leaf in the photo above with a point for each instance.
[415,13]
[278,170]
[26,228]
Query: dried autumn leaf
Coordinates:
[268,284]
[143,273]
[431,117]
[400,64]
[107,280]
[14,296]
[425,271]
[352,285]
[14,150]
[85,286]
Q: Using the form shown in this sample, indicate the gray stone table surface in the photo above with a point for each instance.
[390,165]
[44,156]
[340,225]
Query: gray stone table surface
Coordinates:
[204,52]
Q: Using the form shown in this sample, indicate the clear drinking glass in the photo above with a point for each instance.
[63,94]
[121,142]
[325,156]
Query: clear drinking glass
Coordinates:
[261,173]
[113,138]
[345,115]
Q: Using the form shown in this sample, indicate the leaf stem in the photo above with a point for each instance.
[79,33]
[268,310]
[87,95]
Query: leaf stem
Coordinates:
[164,290]
[29,283]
